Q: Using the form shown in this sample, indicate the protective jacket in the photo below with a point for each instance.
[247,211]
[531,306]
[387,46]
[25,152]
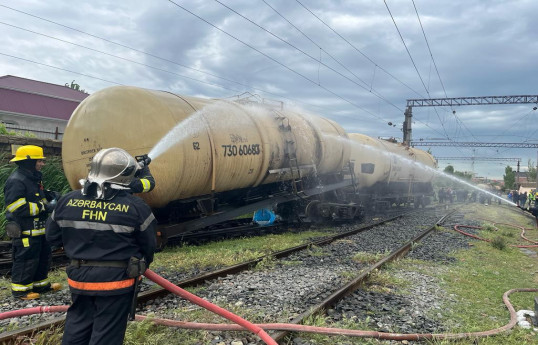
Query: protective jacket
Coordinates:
[144,181]
[25,201]
[99,235]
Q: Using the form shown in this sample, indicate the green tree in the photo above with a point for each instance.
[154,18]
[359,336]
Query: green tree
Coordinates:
[463,175]
[74,86]
[449,169]
[509,177]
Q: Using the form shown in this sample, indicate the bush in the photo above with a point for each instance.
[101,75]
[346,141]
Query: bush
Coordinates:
[498,243]
[5,131]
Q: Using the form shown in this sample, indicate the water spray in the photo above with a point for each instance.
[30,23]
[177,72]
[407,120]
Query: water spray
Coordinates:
[419,165]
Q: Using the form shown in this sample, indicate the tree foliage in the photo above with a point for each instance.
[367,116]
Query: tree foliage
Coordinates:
[463,175]
[509,177]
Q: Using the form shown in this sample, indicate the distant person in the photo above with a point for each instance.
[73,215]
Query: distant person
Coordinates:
[28,207]
[522,199]
[442,195]
[109,235]
[515,197]
[473,196]
[531,199]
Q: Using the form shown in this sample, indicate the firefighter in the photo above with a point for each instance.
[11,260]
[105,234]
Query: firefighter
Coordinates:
[108,234]
[28,207]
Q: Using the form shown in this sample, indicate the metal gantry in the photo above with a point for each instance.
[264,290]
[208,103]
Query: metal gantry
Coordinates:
[473,144]
[459,101]
[491,159]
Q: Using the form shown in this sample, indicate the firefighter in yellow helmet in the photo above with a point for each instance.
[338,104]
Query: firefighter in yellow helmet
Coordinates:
[27,208]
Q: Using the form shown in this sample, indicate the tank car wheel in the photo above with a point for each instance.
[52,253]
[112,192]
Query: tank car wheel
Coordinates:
[312,211]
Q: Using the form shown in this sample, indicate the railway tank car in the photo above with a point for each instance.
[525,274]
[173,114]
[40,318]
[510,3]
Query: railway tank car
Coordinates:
[217,159]
[220,152]
[391,173]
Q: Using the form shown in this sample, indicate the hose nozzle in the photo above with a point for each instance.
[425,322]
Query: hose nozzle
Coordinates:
[143,160]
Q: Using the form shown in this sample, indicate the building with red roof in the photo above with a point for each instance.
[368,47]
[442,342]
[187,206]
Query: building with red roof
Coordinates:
[37,107]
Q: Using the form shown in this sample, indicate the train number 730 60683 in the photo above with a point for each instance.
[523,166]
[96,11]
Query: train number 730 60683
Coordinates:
[241,150]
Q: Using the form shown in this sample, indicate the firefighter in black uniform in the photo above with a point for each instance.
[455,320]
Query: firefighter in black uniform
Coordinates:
[27,208]
[109,236]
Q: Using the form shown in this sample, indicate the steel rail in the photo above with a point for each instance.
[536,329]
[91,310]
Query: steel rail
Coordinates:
[357,281]
[11,337]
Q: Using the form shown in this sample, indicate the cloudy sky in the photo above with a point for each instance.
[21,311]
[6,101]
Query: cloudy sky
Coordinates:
[356,62]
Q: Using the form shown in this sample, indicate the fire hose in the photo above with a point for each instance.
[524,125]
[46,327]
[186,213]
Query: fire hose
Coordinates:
[458,226]
[259,329]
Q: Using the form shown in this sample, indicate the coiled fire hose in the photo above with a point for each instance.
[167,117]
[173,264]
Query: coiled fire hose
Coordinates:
[259,329]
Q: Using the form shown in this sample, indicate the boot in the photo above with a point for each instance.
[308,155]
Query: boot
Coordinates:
[50,288]
[27,296]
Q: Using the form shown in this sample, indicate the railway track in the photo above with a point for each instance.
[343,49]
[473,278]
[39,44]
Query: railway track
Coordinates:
[156,293]
[226,230]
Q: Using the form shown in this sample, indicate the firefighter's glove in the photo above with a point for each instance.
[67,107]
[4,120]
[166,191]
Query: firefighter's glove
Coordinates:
[52,195]
[143,171]
[49,206]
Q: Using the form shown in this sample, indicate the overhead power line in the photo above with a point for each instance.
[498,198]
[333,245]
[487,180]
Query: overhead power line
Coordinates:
[313,58]
[141,52]
[429,49]
[356,49]
[474,144]
[371,61]
[277,61]
[407,49]
[59,68]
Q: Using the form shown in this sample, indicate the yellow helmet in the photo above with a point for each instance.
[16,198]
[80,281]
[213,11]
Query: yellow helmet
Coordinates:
[28,152]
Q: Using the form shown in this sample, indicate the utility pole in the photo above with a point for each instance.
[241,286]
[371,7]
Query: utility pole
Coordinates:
[472,161]
[517,176]
[407,125]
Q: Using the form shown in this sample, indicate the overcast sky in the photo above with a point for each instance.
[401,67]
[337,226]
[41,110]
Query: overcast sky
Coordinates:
[356,62]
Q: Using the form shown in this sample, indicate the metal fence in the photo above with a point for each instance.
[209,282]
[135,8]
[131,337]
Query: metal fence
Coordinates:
[38,132]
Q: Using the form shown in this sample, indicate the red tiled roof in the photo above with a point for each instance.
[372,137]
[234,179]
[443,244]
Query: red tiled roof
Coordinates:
[34,86]
[32,104]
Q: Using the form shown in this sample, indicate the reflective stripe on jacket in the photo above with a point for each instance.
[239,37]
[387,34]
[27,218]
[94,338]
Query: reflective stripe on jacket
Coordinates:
[24,198]
[101,286]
